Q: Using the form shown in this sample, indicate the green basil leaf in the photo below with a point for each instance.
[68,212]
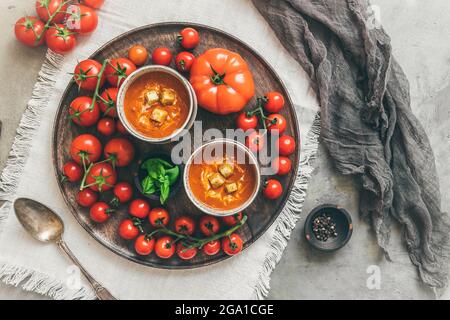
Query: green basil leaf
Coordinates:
[148,186]
[173,174]
[165,191]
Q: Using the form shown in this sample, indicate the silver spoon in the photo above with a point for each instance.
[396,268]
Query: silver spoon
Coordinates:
[46,226]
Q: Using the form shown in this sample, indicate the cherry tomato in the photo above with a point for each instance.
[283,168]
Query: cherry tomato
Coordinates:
[212,248]
[81,113]
[272,189]
[189,38]
[276,122]
[100,212]
[281,165]
[144,245]
[185,225]
[286,145]
[30,31]
[123,192]
[95,4]
[255,141]
[87,197]
[85,147]
[106,126]
[164,247]
[232,244]
[246,122]
[46,8]
[72,171]
[184,61]
[108,101]
[209,225]
[117,70]
[139,208]
[274,102]
[162,56]
[138,55]
[159,217]
[233,219]
[101,177]
[129,229]
[121,128]
[120,151]
[186,253]
[59,39]
[82,19]
[86,74]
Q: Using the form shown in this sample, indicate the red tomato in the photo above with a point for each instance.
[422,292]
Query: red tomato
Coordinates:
[162,56]
[106,126]
[82,19]
[245,121]
[139,208]
[233,219]
[159,217]
[120,151]
[212,248]
[72,171]
[274,102]
[85,147]
[209,225]
[272,189]
[144,245]
[165,247]
[121,128]
[30,31]
[101,177]
[189,38]
[86,74]
[95,4]
[59,39]
[186,253]
[46,8]
[286,145]
[100,212]
[129,229]
[232,244]
[185,225]
[138,55]
[255,141]
[184,61]
[281,165]
[81,113]
[118,69]
[123,192]
[86,197]
[276,122]
[107,102]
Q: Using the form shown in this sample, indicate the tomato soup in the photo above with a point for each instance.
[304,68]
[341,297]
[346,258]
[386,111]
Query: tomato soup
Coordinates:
[156,104]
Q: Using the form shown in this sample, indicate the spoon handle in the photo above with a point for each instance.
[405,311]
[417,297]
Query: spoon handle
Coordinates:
[101,292]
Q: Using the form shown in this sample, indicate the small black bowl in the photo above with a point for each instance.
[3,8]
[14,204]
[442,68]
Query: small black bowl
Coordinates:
[139,174]
[344,228]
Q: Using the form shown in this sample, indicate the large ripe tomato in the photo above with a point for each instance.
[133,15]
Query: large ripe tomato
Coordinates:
[129,229]
[144,245]
[232,244]
[186,253]
[46,8]
[106,126]
[95,4]
[209,225]
[85,147]
[100,212]
[72,171]
[59,39]
[281,165]
[276,122]
[246,121]
[101,177]
[82,19]
[159,217]
[161,56]
[123,192]
[138,54]
[185,225]
[30,31]
[120,151]
[87,197]
[86,74]
[117,70]
[107,102]
[212,248]
[222,81]
[286,145]
[188,38]
[139,208]
[273,102]
[165,247]
[81,113]
[272,189]
[233,219]
[184,61]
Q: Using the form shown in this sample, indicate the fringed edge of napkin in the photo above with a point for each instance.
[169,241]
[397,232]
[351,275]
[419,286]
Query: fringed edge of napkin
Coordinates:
[291,212]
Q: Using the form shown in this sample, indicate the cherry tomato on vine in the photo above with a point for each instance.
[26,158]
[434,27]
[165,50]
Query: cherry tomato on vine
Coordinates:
[138,55]
[185,225]
[274,102]
[82,114]
[106,126]
[276,122]
[184,61]
[209,225]
[188,38]
[123,192]
[100,212]
[255,141]
[245,121]
[60,39]
[95,4]
[117,70]
[101,177]
[272,189]
[139,208]
[159,217]
[87,147]
[165,247]
[129,229]
[72,171]
[281,165]
[286,145]
[211,248]
[82,19]
[87,197]
[233,219]
[232,244]
[162,56]
[30,31]
[107,102]
[47,8]
[186,253]
[120,151]
[86,74]
[144,245]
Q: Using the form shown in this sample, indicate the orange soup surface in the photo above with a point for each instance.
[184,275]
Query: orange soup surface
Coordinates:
[156,104]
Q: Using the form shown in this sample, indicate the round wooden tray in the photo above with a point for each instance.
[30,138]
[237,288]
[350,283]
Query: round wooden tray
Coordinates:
[261,214]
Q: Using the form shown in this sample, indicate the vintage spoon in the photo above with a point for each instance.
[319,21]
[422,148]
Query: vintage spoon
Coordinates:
[46,226]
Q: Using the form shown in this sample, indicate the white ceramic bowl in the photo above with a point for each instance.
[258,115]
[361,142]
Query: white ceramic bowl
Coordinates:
[192,103]
[204,207]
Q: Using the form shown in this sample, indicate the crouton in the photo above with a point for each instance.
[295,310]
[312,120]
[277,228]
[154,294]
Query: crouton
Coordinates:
[159,115]
[231,187]
[152,96]
[226,169]
[168,96]
[216,180]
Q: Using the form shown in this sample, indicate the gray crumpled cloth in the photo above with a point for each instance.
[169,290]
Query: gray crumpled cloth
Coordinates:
[367,124]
